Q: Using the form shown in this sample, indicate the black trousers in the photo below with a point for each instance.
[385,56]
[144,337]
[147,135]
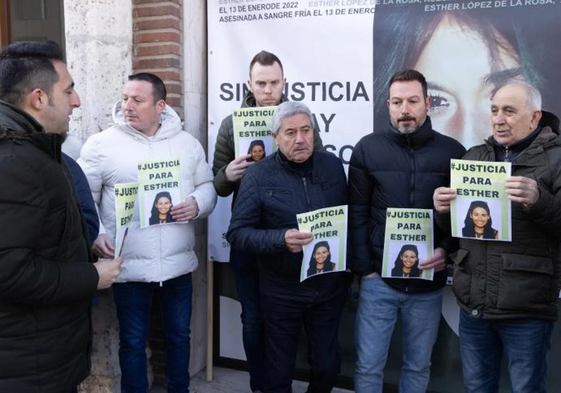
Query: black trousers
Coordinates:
[287,306]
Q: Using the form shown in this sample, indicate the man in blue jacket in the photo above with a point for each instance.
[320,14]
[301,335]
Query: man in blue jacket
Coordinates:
[293,180]
[398,166]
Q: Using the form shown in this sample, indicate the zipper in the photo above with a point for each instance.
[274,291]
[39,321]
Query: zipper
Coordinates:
[306,192]
[507,154]
[412,171]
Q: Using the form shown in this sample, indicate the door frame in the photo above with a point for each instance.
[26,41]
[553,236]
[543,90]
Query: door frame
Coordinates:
[4,22]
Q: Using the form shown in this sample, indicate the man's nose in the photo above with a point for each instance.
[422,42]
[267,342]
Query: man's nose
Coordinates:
[405,108]
[76,103]
[126,105]
[498,118]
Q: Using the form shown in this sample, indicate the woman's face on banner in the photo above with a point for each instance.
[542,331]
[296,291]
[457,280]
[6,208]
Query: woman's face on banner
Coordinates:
[163,205]
[321,255]
[257,152]
[457,65]
[480,217]
[408,258]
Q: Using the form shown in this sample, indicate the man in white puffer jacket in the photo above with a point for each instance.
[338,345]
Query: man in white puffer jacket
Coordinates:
[159,257]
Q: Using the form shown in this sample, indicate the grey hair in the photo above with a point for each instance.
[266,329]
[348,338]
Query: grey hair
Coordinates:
[288,109]
[533,95]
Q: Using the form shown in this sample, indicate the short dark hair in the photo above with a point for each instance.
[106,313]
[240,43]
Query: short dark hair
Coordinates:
[408,76]
[159,91]
[265,58]
[25,66]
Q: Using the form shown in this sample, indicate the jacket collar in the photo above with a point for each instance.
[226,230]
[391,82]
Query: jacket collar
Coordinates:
[414,140]
[16,124]
[170,124]
[312,166]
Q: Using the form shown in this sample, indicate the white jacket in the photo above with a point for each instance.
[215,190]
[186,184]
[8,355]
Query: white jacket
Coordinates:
[162,252]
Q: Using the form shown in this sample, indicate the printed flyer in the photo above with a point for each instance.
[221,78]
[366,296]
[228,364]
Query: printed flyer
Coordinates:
[125,201]
[409,239]
[252,132]
[481,209]
[159,187]
[327,253]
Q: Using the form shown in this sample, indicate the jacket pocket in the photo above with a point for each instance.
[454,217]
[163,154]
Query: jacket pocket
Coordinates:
[527,283]
[462,276]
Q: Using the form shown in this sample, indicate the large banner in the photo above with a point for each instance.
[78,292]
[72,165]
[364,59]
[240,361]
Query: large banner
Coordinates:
[338,57]
[326,51]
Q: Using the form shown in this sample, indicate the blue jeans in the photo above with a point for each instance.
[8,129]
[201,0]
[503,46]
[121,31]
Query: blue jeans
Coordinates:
[378,308]
[133,301]
[525,342]
[316,305]
[245,271]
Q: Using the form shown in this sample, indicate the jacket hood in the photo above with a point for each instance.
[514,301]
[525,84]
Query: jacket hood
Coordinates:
[170,123]
[550,120]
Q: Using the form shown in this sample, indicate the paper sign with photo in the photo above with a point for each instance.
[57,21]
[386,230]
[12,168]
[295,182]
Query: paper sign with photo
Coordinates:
[409,239]
[481,209]
[252,132]
[327,253]
[159,188]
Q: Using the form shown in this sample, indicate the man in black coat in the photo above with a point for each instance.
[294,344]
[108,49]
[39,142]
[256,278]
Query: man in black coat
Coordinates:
[398,166]
[295,179]
[47,278]
[266,82]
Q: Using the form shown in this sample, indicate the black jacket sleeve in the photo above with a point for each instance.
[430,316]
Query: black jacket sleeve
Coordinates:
[244,233]
[85,195]
[27,276]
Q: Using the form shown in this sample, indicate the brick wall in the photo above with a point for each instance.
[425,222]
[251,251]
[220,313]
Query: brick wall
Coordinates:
[157,44]
[157,48]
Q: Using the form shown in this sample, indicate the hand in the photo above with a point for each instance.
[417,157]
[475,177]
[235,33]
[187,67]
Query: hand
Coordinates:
[294,239]
[523,190]
[442,197]
[103,247]
[436,262]
[235,169]
[108,271]
[185,211]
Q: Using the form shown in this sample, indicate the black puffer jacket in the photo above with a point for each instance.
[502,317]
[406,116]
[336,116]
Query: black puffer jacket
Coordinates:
[47,279]
[224,151]
[518,279]
[389,169]
[271,195]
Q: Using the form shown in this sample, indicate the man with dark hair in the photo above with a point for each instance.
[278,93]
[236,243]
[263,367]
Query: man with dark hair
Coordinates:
[47,278]
[266,83]
[159,258]
[508,291]
[397,167]
[295,179]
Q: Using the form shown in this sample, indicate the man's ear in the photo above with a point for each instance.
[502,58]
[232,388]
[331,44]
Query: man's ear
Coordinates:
[536,117]
[161,105]
[274,136]
[35,101]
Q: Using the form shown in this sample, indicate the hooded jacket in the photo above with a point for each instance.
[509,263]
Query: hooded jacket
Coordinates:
[47,278]
[162,252]
[390,169]
[224,150]
[518,279]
